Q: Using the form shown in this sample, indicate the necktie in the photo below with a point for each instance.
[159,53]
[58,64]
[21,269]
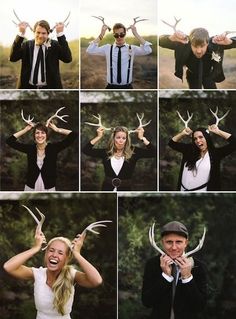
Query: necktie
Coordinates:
[39,61]
[200,70]
[174,273]
[119,66]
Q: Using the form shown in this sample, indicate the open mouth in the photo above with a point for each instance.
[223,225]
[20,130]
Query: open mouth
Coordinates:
[53,262]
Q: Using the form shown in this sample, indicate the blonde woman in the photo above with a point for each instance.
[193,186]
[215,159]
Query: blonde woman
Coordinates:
[120,157]
[54,283]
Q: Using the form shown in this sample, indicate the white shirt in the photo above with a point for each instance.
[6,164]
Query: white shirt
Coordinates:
[35,54]
[195,178]
[126,53]
[117,164]
[44,296]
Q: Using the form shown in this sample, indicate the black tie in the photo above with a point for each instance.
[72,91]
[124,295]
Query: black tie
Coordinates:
[200,71]
[119,66]
[174,273]
[39,61]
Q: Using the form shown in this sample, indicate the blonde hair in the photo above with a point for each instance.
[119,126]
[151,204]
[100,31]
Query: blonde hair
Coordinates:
[128,149]
[62,287]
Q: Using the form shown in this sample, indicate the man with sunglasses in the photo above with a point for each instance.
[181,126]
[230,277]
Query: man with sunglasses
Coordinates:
[119,56]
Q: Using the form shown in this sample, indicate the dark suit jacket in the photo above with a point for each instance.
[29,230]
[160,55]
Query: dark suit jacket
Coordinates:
[190,298]
[23,50]
[49,168]
[182,52]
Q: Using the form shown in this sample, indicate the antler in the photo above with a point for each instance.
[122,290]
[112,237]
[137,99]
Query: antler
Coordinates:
[218,119]
[174,25]
[228,32]
[185,121]
[39,222]
[136,20]
[96,224]
[103,21]
[29,121]
[140,118]
[20,21]
[199,246]
[67,17]
[99,124]
[61,117]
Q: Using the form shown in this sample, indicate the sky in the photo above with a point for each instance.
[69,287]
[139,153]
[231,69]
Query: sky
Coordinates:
[31,11]
[216,16]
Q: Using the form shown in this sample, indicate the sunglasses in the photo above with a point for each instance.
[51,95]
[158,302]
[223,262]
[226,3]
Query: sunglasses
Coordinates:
[119,35]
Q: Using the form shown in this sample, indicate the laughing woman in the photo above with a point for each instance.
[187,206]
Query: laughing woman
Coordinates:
[200,167]
[120,157]
[54,283]
[41,155]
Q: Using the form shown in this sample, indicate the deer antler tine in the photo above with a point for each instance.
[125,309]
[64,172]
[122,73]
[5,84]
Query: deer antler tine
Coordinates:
[42,217]
[199,246]
[32,214]
[152,240]
[16,15]
[96,224]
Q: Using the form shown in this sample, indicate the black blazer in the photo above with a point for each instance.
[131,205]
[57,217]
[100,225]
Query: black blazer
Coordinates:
[23,50]
[182,52]
[49,167]
[128,167]
[216,155]
[190,298]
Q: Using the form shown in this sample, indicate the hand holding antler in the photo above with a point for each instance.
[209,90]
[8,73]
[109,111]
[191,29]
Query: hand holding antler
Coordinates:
[22,24]
[104,25]
[178,36]
[222,39]
[136,20]
[59,26]
[61,117]
[141,125]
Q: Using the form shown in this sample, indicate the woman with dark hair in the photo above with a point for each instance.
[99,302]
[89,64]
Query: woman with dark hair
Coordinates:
[120,156]
[200,167]
[41,155]
[54,284]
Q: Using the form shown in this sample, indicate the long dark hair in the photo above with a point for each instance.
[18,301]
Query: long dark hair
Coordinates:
[195,154]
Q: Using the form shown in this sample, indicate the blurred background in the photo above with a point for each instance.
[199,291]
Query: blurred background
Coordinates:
[41,105]
[118,108]
[198,103]
[66,215]
[215,211]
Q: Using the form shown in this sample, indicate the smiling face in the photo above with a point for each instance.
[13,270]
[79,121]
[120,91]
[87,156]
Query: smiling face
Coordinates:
[40,137]
[200,141]
[40,35]
[174,245]
[120,140]
[56,255]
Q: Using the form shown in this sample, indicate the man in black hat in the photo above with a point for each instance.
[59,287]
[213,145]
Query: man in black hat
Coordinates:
[174,286]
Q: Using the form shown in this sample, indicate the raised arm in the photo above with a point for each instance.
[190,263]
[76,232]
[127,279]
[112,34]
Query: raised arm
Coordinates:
[56,129]
[215,129]
[186,132]
[100,133]
[15,266]
[89,277]
[23,131]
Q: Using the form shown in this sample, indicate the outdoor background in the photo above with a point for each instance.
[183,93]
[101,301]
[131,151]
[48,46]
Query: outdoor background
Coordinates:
[93,68]
[66,215]
[52,11]
[216,16]
[118,108]
[41,105]
[198,103]
[215,211]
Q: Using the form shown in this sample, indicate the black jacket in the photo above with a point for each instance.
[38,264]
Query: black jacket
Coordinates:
[128,167]
[23,50]
[49,167]
[183,51]
[190,298]
[216,155]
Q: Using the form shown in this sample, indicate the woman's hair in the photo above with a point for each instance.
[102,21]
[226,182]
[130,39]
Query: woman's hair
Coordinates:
[195,155]
[41,127]
[62,287]
[128,149]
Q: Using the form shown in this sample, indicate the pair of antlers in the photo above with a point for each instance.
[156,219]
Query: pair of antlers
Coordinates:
[218,119]
[29,121]
[89,228]
[99,124]
[173,26]
[51,30]
[136,20]
[157,248]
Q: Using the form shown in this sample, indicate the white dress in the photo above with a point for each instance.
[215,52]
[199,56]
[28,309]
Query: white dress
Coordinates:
[44,296]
